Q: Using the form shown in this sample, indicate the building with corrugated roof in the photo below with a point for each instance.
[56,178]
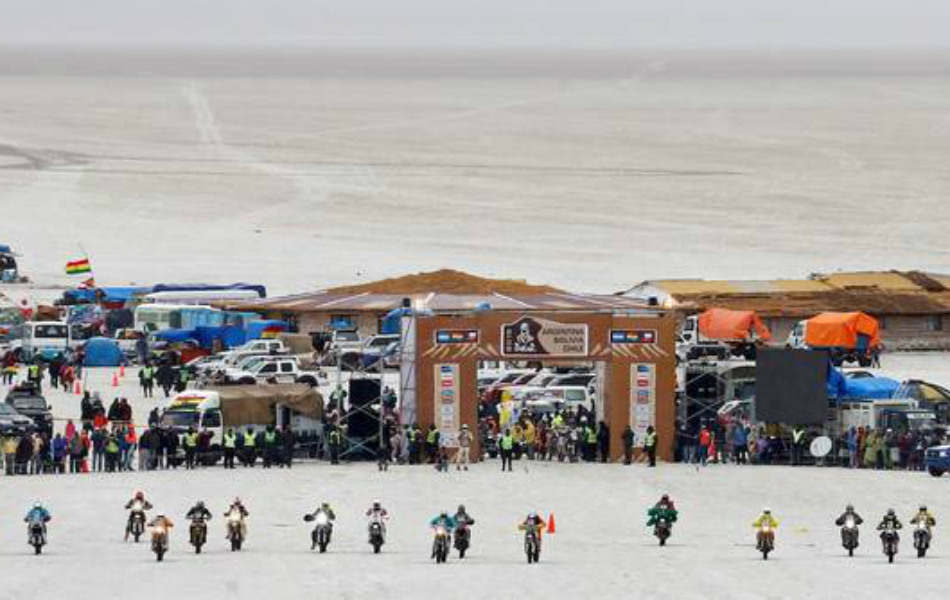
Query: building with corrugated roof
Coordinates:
[364,306]
[913,307]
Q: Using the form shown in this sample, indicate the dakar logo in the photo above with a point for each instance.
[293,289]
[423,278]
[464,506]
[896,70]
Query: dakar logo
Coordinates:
[539,337]
[525,338]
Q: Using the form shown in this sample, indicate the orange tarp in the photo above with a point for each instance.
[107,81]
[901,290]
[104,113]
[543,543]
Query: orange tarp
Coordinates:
[724,324]
[841,330]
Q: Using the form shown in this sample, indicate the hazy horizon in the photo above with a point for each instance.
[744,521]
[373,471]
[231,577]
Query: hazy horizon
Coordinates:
[474,24]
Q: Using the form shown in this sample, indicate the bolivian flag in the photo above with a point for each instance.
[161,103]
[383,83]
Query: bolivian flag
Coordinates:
[77,267]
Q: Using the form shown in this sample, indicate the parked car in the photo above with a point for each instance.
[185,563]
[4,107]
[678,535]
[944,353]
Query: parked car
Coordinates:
[12,422]
[28,402]
[283,370]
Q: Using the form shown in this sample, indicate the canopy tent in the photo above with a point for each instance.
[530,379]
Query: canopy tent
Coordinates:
[102,352]
[255,403]
[725,324]
[842,330]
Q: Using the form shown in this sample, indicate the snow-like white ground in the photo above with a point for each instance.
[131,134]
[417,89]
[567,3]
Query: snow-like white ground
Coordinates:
[588,183]
[600,550]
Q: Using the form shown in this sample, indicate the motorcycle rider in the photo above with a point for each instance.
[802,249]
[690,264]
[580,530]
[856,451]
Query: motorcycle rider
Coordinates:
[924,516]
[239,507]
[444,520]
[198,512]
[162,521]
[379,514]
[327,510]
[139,498]
[663,509]
[849,514]
[889,520]
[764,519]
[462,517]
[38,514]
[534,521]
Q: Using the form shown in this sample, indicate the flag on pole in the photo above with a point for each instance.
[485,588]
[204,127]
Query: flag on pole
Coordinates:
[78,267]
[88,284]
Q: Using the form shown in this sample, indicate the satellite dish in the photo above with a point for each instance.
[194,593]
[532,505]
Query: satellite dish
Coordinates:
[820,446]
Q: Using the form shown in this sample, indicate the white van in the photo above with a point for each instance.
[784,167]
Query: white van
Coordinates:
[43,339]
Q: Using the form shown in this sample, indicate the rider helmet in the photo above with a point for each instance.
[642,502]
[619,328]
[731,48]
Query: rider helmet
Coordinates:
[139,496]
[767,510]
[890,512]
[923,508]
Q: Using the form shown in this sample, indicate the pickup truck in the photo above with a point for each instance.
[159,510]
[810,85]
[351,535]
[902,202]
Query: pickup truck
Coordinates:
[280,370]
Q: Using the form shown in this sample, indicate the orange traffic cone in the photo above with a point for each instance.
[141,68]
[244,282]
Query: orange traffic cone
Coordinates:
[551,523]
[121,370]
[115,380]
[77,388]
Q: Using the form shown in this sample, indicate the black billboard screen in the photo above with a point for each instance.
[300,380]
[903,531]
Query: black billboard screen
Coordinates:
[791,386]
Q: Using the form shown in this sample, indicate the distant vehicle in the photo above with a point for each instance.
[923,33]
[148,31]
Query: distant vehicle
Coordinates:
[10,316]
[721,333]
[240,408]
[12,422]
[848,337]
[159,317]
[345,340]
[885,414]
[927,395]
[937,460]
[199,297]
[79,334]
[283,370]
[44,339]
[383,347]
[32,405]
[555,398]
[128,340]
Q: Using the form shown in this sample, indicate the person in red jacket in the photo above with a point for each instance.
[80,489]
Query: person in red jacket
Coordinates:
[705,444]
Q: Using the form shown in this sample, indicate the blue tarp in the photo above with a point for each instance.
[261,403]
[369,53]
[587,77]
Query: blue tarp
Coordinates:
[102,352]
[175,335]
[392,322]
[861,388]
[206,287]
[229,336]
[112,294]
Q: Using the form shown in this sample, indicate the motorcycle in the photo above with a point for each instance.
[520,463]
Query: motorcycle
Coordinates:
[199,533]
[849,535]
[441,544]
[321,531]
[36,534]
[890,538]
[532,545]
[662,530]
[376,536]
[159,541]
[922,539]
[766,542]
[137,521]
[235,529]
[463,538]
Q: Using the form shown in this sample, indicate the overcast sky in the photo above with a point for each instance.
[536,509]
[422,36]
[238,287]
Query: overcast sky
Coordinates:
[484,23]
